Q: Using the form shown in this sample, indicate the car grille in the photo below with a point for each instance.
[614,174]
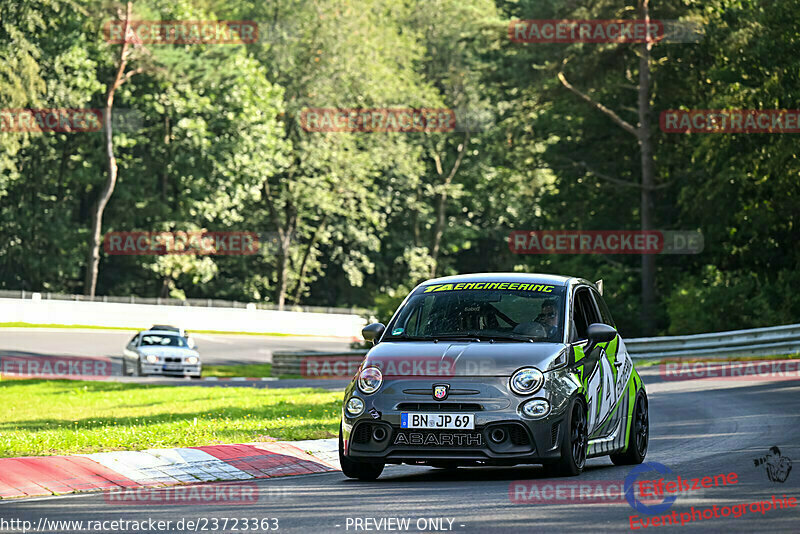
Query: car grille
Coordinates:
[172,360]
[440,406]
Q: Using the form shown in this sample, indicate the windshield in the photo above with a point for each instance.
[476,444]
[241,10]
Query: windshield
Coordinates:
[152,340]
[504,311]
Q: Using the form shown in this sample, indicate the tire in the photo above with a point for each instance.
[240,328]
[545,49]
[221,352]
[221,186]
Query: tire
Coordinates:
[124,366]
[640,435]
[353,469]
[137,371]
[574,445]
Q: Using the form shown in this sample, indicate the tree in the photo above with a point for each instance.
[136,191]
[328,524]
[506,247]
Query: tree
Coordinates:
[93,258]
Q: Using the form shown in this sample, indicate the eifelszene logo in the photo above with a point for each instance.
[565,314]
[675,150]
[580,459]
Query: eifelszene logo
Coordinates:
[778,467]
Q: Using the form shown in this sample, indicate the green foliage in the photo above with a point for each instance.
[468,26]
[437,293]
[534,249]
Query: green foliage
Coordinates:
[214,142]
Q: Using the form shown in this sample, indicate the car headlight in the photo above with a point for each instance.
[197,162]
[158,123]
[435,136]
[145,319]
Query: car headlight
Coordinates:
[536,408]
[355,407]
[192,360]
[526,381]
[369,380]
[151,358]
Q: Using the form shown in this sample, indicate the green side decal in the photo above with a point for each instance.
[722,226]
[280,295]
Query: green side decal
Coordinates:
[579,372]
[632,389]
[611,354]
[579,355]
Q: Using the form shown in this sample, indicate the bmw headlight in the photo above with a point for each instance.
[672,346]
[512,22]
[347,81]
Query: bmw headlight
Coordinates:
[192,360]
[526,381]
[151,358]
[370,380]
[355,407]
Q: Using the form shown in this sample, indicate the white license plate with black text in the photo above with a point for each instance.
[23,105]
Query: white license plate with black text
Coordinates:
[450,421]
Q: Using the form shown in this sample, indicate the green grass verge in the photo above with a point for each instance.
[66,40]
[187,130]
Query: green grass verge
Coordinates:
[45,417]
[252,370]
[192,331]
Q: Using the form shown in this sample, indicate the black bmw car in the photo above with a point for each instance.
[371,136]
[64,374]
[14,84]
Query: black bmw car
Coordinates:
[495,369]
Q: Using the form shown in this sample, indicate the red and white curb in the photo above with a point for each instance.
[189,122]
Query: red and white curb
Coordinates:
[119,470]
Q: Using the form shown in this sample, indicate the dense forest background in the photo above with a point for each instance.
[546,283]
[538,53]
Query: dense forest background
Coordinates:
[211,140]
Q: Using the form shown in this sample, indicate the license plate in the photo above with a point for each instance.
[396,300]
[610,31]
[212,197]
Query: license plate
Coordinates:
[173,368]
[450,421]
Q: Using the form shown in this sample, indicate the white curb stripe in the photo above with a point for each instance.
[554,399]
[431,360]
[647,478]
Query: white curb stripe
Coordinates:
[168,466]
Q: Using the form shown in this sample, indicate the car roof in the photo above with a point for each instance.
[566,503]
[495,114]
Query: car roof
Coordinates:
[161,332]
[165,327]
[503,277]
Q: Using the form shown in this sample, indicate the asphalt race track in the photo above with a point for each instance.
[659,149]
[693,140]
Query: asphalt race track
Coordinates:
[698,429]
[215,349]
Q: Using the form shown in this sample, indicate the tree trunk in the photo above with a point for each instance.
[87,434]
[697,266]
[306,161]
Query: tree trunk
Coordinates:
[283,268]
[93,256]
[304,263]
[648,178]
[441,206]
[93,260]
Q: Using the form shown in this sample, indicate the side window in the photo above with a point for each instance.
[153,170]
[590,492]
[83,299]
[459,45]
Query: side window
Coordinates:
[584,313]
[605,315]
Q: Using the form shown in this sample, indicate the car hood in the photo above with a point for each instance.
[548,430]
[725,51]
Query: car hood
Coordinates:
[167,351]
[461,358]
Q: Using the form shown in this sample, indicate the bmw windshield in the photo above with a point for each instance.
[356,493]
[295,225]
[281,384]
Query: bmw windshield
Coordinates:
[481,311]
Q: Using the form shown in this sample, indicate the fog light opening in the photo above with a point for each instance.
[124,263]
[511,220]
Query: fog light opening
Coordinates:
[498,435]
[379,434]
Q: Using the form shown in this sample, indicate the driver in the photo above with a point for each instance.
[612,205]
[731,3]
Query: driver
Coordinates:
[547,317]
[545,324]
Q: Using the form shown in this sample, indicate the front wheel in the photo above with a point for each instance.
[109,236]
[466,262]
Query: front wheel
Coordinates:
[639,438]
[356,469]
[574,444]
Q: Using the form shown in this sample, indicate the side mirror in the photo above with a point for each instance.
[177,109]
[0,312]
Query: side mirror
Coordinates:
[373,332]
[599,333]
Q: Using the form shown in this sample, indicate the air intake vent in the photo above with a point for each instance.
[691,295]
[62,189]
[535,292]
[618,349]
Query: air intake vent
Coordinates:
[554,434]
[362,433]
[518,435]
[440,406]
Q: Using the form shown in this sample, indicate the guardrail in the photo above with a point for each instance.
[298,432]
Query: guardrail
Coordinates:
[205,303]
[755,342]
[299,363]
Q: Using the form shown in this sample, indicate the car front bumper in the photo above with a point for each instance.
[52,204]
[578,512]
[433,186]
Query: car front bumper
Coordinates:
[172,369]
[494,405]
